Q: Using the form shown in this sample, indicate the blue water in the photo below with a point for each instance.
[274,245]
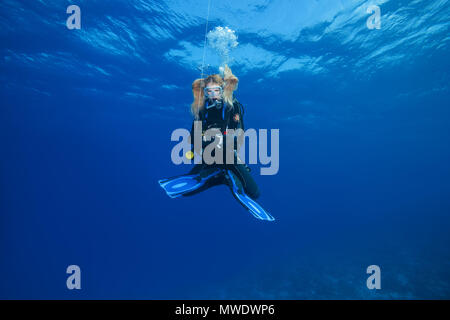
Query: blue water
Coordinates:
[364,178]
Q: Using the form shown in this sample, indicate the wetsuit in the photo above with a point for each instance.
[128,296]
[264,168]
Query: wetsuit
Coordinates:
[223,118]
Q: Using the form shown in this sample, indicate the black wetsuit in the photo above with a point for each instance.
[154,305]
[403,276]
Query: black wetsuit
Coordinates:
[224,118]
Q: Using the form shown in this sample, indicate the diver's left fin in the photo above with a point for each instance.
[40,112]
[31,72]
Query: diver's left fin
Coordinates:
[251,205]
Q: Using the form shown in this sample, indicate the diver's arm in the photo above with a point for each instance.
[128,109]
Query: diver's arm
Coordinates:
[192,135]
[231,81]
[241,115]
[238,109]
[236,123]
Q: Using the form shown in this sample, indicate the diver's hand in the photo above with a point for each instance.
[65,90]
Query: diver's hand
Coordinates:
[227,72]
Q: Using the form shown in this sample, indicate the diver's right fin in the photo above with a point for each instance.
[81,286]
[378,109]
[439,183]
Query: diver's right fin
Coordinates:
[180,185]
[175,187]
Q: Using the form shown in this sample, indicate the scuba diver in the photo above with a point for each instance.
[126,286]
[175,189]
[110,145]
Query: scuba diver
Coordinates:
[216,110]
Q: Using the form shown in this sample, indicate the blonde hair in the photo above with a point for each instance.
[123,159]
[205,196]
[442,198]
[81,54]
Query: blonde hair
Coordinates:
[229,84]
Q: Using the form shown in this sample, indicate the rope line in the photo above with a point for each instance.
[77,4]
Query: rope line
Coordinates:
[204,50]
[205,42]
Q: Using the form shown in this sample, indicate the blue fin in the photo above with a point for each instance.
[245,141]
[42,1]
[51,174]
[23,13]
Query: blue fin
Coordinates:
[248,203]
[180,185]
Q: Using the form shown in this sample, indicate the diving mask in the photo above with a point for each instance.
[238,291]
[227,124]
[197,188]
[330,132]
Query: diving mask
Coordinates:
[213,92]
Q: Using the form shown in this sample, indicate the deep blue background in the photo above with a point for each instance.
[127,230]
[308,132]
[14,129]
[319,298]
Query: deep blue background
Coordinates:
[85,123]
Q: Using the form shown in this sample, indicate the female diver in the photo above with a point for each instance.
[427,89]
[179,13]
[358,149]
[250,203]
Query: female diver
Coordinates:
[215,108]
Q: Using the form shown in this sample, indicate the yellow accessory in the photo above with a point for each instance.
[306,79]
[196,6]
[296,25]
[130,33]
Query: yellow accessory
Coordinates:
[189,155]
